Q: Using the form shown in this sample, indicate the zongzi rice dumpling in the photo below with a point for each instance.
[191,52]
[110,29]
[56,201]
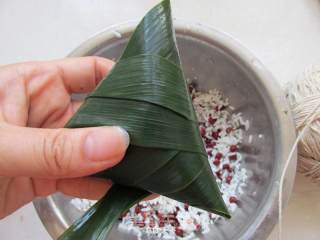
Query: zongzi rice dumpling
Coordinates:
[146,94]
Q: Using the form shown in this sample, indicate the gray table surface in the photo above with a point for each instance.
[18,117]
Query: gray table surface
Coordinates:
[283,34]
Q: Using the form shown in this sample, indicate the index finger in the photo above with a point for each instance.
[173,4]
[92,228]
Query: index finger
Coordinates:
[82,75]
[78,75]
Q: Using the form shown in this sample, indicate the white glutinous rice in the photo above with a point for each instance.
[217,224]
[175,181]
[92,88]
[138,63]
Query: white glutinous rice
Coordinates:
[222,133]
[117,34]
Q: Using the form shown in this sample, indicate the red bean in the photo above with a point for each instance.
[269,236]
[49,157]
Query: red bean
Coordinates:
[233,148]
[229,179]
[179,232]
[216,162]
[233,199]
[218,156]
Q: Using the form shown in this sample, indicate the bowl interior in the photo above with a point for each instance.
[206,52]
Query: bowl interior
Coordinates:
[211,66]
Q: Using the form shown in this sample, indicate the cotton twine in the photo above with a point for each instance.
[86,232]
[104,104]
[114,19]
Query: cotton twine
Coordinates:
[304,95]
[304,98]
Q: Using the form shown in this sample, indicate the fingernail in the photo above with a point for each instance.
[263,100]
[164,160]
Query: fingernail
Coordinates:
[125,136]
[106,143]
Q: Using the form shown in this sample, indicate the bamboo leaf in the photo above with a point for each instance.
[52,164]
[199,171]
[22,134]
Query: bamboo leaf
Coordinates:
[147,95]
[94,225]
[151,79]
[132,161]
[154,35]
[149,125]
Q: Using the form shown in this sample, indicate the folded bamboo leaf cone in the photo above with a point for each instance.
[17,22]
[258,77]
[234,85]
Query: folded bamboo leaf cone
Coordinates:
[146,94]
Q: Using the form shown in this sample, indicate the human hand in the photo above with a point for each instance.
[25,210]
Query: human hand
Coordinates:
[37,156]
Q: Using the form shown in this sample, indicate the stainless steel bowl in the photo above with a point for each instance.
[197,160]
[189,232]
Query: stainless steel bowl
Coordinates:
[214,60]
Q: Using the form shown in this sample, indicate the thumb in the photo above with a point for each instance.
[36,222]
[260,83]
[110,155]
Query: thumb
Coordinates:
[59,153]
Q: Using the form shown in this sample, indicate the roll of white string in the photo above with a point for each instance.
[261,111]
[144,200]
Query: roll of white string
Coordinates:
[304,98]
[303,95]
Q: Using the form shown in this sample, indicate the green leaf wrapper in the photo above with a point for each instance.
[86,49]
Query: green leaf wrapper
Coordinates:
[146,94]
